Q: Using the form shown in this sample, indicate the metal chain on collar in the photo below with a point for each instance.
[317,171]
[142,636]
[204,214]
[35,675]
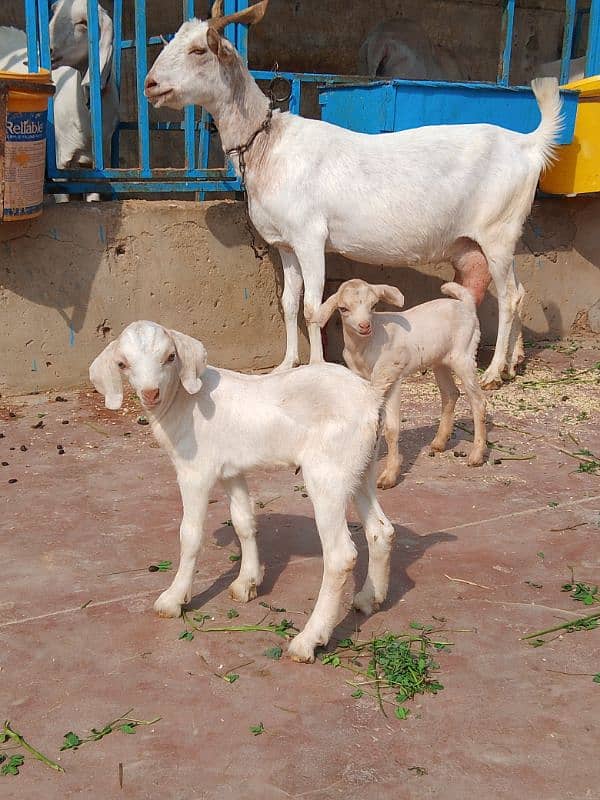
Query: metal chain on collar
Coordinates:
[241,150]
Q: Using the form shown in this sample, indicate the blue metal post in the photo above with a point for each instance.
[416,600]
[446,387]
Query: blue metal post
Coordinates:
[141,66]
[592,63]
[117,55]
[508,22]
[45,63]
[95,88]
[567,48]
[32,36]
[295,96]
[190,111]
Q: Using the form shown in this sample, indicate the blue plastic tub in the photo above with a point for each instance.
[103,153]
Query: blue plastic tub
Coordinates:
[398,105]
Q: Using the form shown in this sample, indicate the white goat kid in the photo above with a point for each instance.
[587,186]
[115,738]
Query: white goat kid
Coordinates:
[441,335]
[217,425]
[455,192]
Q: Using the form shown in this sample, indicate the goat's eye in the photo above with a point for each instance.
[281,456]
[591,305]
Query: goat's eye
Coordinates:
[343,310]
[122,365]
[170,358]
[198,51]
[82,23]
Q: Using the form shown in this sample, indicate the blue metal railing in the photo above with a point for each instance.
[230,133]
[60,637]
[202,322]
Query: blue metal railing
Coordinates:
[196,176]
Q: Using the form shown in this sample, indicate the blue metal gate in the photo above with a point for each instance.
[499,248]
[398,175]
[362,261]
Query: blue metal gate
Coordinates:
[196,176]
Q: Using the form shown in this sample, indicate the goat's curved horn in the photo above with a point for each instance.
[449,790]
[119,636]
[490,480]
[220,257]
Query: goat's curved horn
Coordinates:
[249,16]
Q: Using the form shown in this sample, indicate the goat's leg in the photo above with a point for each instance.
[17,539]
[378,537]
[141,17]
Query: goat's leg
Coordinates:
[290,301]
[380,535]
[516,349]
[194,494]
[508,300]
[242,516]
[312,264]
[339,557]
[391,430]
[450,394]
[466,369]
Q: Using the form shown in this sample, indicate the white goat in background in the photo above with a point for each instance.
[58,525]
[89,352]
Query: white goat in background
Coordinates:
[69,51]
[441,335]
[450,192]
[400,48]
[217,425]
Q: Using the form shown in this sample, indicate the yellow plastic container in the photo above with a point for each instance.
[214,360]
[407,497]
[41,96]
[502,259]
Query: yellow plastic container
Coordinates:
[577,170]
[25,146]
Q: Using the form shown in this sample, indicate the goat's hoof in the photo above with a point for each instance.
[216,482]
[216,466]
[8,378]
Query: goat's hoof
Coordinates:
[475,459]
[365,603]
[437,446]
[490,382]
[299,650]
[387,480]
[243,591]
[167,606]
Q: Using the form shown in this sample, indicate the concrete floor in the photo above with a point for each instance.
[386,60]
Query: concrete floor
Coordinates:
[512,721]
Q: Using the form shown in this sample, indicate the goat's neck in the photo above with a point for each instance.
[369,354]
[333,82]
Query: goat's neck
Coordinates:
[356,353]
[240,110]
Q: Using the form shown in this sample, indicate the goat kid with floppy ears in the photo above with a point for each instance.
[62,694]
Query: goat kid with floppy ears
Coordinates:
[217,425]
[441,335]
[445,192]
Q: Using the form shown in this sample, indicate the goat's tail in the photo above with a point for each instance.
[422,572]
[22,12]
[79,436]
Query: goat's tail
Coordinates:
[459,292]
[550,104]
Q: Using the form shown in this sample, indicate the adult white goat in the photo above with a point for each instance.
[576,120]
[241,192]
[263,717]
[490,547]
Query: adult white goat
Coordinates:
[69,50]
[441,335]
[218,425]
[451,192]
[400,48]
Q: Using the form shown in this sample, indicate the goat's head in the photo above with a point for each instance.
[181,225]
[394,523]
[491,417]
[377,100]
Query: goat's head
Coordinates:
[192,68]
[355,300]
[153,359]
[69,38]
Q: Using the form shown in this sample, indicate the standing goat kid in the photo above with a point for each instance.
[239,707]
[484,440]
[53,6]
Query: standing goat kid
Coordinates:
[450,192]
[218,425]
[442,335]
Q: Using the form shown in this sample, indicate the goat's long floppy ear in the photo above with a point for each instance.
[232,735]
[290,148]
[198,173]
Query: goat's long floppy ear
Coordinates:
[106,377]
[192,360]
[106,51]
[389,294]
[249,16]
[325,310]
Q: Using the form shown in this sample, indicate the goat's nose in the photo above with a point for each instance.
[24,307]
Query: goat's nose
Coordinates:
[150,395]
[150,83]
[364,326]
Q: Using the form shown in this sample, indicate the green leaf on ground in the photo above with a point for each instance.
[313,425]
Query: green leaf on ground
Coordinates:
[274,652]
[256,730]
[71,742]
[12,765]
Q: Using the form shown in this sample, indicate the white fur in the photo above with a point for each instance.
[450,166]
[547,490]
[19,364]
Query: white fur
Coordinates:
[217,425]
[400,48]
[441,335]
[69,47]
[390,199]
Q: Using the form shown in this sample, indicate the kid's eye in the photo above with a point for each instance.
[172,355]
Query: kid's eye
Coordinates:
[198,51]
[343,310]
[122,365]
[170,358]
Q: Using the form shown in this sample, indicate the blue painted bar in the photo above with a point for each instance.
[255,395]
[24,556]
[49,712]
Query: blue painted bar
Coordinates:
[230,7]
[296,96]
[95,83]
[117,55]
[45,63]
[401,105]
[592,63]
[115,188]
[508,22]
[190,112]
[567,48]
[33,63]
[241,40]
[141,66]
